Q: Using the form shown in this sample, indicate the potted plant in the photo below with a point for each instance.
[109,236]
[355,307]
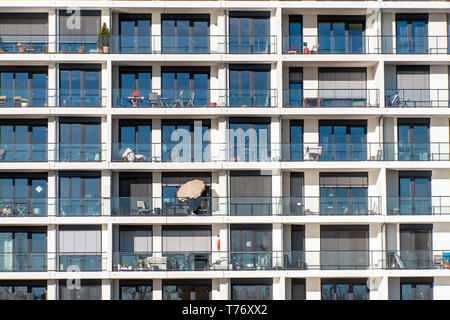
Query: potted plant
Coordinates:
[24,102]
[103,39]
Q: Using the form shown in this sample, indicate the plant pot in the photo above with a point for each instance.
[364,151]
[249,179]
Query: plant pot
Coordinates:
[24,104]
[80,50]
[21,49]
[105,49]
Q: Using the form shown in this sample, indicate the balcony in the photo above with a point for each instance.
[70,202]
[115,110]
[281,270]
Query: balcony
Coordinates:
[414,44]
[331,44]
[417,98]
[85,261]
[23,262]
[330,98]
[74,207]
[26,97]
[23,207]
[368,151]
[194,98]
[426,151]
[80,152]
[82,98]
[21,43]
[23,152]
[431,205]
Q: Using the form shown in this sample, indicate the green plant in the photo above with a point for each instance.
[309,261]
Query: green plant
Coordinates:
[103,37]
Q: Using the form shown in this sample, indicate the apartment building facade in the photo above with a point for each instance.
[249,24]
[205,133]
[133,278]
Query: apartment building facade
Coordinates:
[318,131]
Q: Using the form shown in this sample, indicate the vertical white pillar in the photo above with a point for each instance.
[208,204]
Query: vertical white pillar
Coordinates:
[52,27]
[277,245]
[156,140]
[313,291]
[52,79]
[52,289]
[157,240]
[279,288]
[157,289]
[106,289]
[312,245]
[156,30]
[105,200]
[52,191]
[157,192]
[107,238]
[52,247]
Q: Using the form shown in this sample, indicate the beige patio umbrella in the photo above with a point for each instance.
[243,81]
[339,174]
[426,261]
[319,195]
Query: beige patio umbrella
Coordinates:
[192,189]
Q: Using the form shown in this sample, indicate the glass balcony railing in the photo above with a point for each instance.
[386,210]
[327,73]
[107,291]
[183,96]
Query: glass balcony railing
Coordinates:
[21,43]
[330,98]
[417,98]
[23,261]
[82,98]
[194,98]
[23,207]
[420,151]
[26,97]
[87,206]
[23,152]
[80,152]
[257,260]
[410,259]
[84,261]
[420,205]
[364,44]
[352,151]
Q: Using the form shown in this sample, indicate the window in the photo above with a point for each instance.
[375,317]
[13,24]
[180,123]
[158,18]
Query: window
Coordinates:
[295,258]
[24,86]
[23,140]
[343,193]
[250,193]
[343,140]
[23,194]
[296,141]
[413,87]
[416,246]
[344,247]
[187,247]
[80,246]
[411,33]
[80,86]
[136,135]
[416,288]
[251,289]
[23,249]
[90,290]
[295,87]
[186,289]
[413,139]
[135,33]
[73,37]
[250,86]
[185,33]
[134,187]
[29,29]
[172,181]
[185,86]
[295,34]
[135,290]
[342,87]
[344,289]
[415,193]
[79,139]
[251,247]
[23,290]
[249,32]
[249,139]
[186,140]
[135,87]
[135,243]
[298,289]
[79,194]
[341,34]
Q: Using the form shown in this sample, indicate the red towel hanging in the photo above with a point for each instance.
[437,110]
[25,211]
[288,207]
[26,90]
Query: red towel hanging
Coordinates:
[136,89]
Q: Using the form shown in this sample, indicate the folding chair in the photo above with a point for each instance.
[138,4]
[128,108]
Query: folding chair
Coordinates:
[179,100]
[141,208]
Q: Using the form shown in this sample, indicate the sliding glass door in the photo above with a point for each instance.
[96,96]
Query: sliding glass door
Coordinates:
[79,194]
[23,87]
[249,32]
[412,33]
[135,34]
[341,34]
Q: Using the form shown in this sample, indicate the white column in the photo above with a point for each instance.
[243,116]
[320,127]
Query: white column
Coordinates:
[107,238]
[52,191]
[157,289]
[277,245]
[279,288]
[52,247]
[156,140]
[441,288]
[275,139]
[312,192]
[156,30]
[105,200]
[157,240]
[52,139]
[157,192]
[52,23]
[106,289]
[310,30]
[52,79]
[52,289]
[312,245]
[106,131]
[313,291]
